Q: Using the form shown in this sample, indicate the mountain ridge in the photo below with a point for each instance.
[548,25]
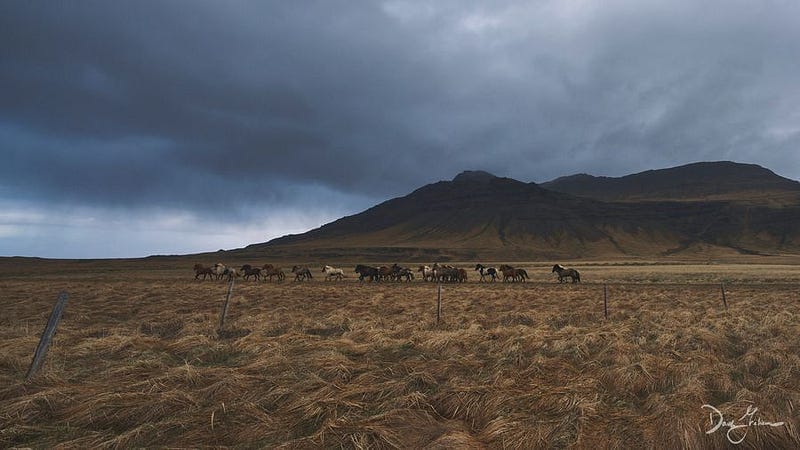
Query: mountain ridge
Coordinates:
[477,214]
[718,180]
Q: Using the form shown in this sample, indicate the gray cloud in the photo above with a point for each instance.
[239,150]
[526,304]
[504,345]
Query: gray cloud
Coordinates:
[152,104]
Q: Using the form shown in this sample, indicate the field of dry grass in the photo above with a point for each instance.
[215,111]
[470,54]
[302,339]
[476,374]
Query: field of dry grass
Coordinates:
[137,360]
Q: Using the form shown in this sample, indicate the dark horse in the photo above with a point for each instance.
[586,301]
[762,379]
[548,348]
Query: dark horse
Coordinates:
[200,269]
[563,272]
[250,271]
[367,271]
[484,271]
[301,273]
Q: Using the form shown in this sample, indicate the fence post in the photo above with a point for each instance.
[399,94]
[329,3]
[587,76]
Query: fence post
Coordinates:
[438,304]
[225,306]
[724,300]
[605,300]
[47,335]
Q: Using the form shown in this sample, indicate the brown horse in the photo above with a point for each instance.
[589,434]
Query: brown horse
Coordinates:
[563,272]
[385,272]
[510,273]
[200,269]
[271,271]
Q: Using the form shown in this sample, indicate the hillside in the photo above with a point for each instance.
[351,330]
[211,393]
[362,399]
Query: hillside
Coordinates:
[706,181]
[478,215]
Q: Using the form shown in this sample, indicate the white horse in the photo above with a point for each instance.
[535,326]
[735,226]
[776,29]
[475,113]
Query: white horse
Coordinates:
[223,271]
[219,270]
[332,272]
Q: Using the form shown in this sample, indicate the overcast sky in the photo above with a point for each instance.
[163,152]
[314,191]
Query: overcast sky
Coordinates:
[135,127]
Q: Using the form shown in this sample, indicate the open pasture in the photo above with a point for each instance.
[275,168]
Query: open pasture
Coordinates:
[138,360]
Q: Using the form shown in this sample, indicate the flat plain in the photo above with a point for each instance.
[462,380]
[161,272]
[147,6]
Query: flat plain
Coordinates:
[138,359]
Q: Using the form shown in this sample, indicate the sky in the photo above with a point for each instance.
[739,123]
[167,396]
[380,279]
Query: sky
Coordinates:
[135,128]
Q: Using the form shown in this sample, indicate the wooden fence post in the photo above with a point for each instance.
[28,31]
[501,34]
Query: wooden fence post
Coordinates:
[47,335]
[225,306]
[438,304]
[605,300]
[724,300]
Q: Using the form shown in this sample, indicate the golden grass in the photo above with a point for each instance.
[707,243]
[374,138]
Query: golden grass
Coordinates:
[137,360]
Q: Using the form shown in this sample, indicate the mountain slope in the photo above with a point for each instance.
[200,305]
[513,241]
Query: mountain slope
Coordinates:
[724,181]
[480,215]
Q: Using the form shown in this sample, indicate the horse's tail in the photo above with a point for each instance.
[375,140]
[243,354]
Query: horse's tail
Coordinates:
[578,276]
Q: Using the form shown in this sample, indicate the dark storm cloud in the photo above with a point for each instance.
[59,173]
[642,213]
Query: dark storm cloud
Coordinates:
[171,103]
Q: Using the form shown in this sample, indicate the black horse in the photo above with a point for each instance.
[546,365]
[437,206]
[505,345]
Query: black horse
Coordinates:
[367,271]
[250,271]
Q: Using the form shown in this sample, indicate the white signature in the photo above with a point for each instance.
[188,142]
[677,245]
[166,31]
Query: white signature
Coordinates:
[747,420]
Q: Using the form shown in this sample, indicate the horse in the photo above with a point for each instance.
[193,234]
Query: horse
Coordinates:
[462,275]
[513,274]
[396,270]
[250,271]
[399,272]
[200,269]
[484,271]
[219,270]
[332,272]
[563,272]
[385,272]
[442,272]
[427,273]
[450,274]
[407,273]
[367,271]
[301,273]
[271,271]
[229,273]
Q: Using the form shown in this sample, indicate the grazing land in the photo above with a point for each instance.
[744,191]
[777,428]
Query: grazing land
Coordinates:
[138,361]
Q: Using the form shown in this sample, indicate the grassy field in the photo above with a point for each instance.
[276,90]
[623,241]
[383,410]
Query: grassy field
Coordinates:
[137,360]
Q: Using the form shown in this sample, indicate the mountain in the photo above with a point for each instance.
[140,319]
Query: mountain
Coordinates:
[479,215]
[704,181]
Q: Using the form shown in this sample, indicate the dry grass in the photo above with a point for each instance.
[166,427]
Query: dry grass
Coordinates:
[137,360]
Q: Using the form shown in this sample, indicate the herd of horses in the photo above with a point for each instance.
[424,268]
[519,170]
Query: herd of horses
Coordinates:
[442,273]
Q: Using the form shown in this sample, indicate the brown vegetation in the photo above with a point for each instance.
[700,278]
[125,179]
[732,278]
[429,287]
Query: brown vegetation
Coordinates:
[137,360]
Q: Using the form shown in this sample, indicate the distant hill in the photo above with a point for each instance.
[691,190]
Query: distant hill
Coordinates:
[479,215]
[726,181]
